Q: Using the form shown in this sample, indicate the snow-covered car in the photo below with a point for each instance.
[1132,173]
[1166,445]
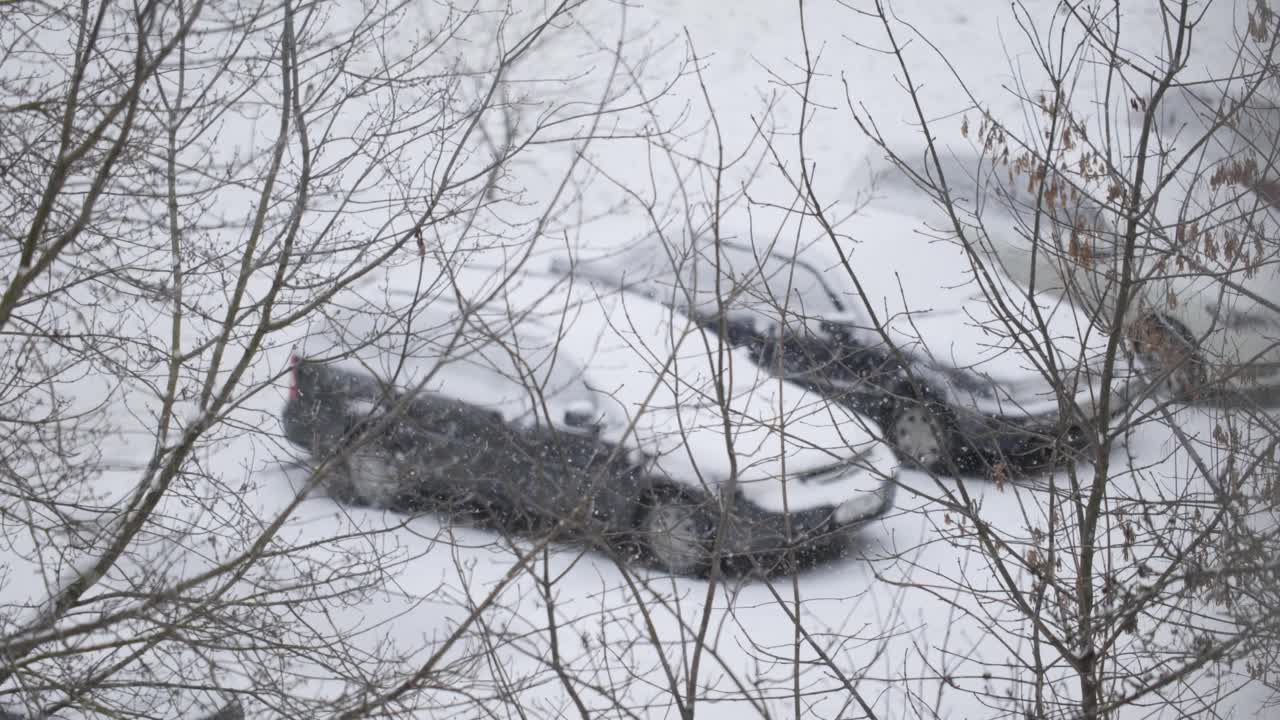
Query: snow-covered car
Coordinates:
[1220,338]
[611,419]
[1205,319]
[957,388]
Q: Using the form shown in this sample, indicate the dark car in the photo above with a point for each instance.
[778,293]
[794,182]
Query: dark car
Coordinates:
[952,393]
[590,421]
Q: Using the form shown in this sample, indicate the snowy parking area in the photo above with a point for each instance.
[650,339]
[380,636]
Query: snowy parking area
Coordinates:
[670,119]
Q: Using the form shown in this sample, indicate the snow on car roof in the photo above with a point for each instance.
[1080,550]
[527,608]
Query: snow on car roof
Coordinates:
[758,282]
[421,338]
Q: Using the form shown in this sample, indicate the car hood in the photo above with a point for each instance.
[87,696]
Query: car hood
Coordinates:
[1010,363]
[642,375]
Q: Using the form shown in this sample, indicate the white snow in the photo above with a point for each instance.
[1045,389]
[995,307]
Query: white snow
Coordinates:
[914,617]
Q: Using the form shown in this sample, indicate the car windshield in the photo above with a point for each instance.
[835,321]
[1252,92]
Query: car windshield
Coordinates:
[759,284]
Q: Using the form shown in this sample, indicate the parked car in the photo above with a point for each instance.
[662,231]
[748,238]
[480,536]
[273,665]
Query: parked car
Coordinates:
[1219,338]
[609,419]
[1208,318]
[1205,320]
[958,389]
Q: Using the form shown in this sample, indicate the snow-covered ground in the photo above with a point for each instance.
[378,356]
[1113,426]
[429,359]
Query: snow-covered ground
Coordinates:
[913,622]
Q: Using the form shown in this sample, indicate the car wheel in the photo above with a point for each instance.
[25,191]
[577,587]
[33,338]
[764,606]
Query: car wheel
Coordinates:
[1169,356]
[677,533]
[370,478]
[917,435]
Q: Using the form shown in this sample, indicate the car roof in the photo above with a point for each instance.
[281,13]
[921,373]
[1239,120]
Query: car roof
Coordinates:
[422,340]
[764,283]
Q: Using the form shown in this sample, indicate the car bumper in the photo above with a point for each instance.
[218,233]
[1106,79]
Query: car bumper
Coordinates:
[1020,445]
[755,540]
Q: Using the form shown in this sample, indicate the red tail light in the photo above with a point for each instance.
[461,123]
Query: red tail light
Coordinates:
[294,361]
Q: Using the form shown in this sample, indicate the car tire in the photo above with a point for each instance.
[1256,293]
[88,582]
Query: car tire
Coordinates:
[367,478]
[676,533]
[1168,353]
[918,435]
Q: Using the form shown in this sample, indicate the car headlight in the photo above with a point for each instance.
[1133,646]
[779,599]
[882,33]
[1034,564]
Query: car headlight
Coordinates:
[865,506]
